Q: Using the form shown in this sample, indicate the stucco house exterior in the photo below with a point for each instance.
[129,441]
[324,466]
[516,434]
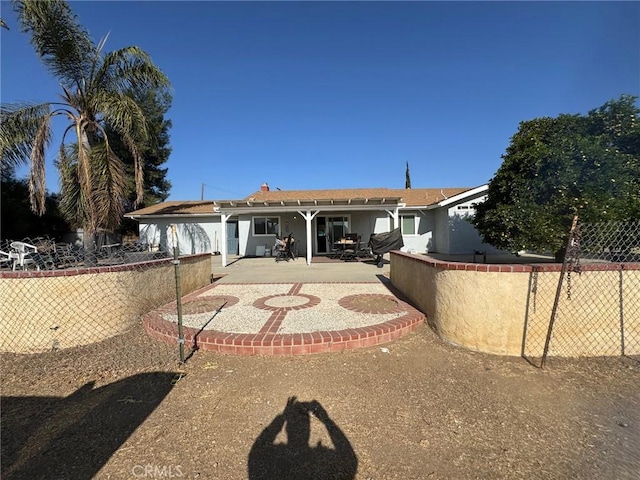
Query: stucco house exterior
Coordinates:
[431,219]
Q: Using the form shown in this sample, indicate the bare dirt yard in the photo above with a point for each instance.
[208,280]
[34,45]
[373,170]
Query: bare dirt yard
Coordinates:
[417,408]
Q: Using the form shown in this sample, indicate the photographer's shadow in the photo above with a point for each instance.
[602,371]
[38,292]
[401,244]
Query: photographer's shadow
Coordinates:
[295,459]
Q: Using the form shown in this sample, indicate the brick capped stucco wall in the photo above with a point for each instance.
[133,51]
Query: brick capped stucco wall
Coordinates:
[484,307]
[72,307]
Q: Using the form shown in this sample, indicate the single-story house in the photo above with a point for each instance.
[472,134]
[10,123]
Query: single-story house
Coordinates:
[431,219]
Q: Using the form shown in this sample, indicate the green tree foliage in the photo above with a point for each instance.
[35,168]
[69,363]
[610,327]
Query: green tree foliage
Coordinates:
[98,90]
[555,168]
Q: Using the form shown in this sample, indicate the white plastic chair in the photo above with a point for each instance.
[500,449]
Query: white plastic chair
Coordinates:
[21,252]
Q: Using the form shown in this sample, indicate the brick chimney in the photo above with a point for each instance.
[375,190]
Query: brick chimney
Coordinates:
[264,187]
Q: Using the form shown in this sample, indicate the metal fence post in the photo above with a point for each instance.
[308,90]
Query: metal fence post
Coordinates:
[176,263]
[556,302]
[621,304]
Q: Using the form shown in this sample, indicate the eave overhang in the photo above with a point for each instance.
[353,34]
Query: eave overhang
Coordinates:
[173,214]
[460,197]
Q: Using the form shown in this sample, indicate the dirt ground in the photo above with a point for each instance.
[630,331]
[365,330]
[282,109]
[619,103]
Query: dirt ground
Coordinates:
[417,408]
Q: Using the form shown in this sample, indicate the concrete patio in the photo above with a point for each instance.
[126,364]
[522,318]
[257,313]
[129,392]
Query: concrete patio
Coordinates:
[267,270]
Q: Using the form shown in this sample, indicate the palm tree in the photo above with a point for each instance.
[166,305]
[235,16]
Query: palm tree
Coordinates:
[97,91]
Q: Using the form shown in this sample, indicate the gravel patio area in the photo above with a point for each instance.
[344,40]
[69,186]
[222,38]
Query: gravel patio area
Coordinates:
[287,318]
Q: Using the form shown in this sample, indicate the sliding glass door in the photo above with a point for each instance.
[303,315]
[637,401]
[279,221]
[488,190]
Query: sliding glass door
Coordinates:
[329,230]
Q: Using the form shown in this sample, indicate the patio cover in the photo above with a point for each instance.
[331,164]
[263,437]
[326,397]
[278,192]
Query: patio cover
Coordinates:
[307,206]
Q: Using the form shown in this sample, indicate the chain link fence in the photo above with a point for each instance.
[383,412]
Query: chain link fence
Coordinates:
[59,296]
[43,253]
[592,306]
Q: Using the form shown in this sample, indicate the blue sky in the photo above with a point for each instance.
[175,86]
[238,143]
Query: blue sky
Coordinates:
[319,95]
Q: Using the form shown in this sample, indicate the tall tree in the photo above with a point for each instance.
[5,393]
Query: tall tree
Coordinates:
[407,179]
[97,91]
[555,168]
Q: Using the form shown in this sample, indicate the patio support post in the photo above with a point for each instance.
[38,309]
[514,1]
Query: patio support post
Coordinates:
[223,250]
[308,216]
[394,217]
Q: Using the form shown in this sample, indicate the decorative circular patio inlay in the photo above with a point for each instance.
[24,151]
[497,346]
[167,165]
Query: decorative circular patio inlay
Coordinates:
[286,301]
[370,303]
[208,304]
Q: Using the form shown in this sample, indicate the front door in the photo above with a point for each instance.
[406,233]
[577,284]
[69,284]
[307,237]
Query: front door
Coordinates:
[233,243]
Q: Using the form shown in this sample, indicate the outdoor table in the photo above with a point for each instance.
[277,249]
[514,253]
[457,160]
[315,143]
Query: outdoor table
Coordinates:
[341,245]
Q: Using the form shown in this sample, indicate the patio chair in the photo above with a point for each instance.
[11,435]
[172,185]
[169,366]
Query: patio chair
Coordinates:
[350,253]
[335,251]
[43,261]
[284,250]
[67,255]
[23,252]
[364,249]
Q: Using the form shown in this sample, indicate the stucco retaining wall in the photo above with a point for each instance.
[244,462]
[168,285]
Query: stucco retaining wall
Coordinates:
[60,309]
[504,309]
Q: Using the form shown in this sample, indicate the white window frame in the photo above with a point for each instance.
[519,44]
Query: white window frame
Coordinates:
[415,225]
[265,218]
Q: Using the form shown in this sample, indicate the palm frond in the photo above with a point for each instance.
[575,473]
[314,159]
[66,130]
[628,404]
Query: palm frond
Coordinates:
[138,164]
[71,99]
[102,206]
[60,41]
[109,187]
[72,204]
[125,117]
[121,113]
[20,124]
[129,69]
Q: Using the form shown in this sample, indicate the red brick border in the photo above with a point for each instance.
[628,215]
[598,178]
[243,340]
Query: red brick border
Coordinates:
[513,268]
[267,342]
[73,271]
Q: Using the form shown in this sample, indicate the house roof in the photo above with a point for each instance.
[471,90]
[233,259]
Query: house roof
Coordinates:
[414,197]
[411,197]
[183,207]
